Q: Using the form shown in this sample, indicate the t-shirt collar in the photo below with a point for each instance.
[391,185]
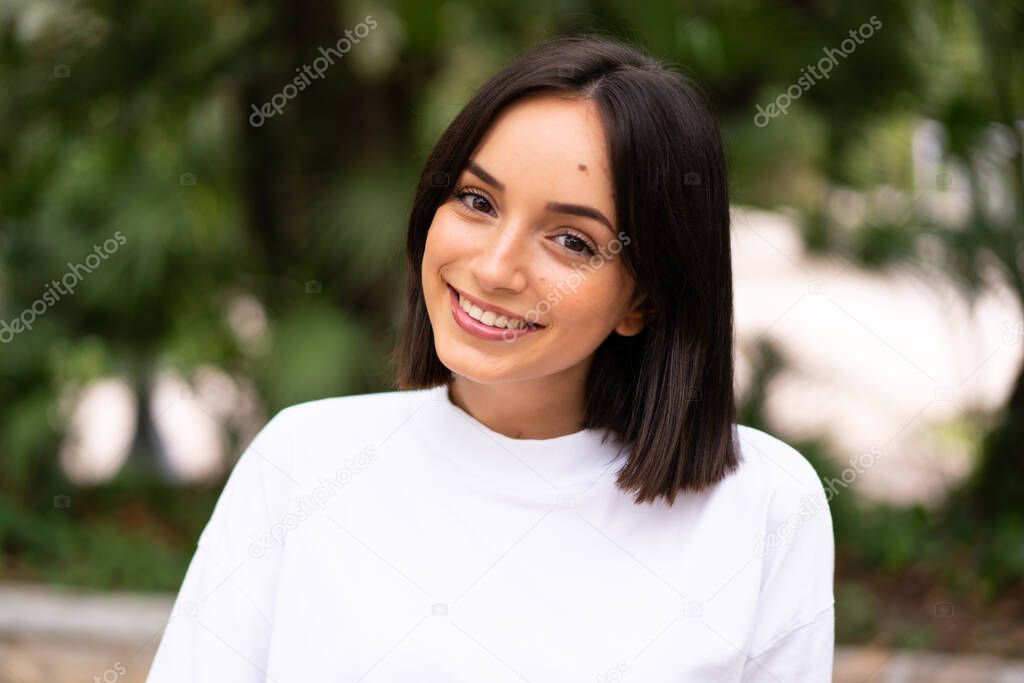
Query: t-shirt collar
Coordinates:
[555,463]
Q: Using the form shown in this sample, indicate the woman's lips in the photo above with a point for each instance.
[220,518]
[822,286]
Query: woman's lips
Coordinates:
[478,329]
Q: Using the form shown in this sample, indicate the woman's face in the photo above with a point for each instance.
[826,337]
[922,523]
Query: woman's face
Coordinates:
[529,230]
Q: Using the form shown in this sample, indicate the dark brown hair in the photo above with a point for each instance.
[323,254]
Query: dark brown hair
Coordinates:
[667,392]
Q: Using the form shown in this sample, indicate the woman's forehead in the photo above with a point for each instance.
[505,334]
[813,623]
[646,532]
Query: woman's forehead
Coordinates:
[549,144]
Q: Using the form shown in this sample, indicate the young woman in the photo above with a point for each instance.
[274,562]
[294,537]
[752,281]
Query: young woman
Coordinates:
[557,491]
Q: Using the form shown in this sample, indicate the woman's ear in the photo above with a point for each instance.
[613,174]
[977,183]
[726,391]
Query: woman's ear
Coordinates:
[639,314]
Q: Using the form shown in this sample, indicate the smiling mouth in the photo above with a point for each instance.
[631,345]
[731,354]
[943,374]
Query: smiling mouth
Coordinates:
[485,316]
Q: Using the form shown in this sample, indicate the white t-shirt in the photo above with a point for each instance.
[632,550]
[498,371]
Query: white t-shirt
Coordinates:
[392,537]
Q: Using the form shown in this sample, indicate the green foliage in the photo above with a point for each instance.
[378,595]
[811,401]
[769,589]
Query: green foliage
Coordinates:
[857,611]
[129,534]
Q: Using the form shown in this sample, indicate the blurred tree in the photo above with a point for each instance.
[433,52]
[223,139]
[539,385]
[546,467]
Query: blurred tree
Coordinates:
[982,113]
[974,92]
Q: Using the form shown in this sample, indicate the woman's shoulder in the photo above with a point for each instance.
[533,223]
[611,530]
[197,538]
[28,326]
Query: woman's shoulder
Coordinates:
[299,448]
[353,416]
[766,455]
[777,473]
[351,406]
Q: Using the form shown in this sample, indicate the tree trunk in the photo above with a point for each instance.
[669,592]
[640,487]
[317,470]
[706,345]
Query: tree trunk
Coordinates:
[147,451]
[997,485]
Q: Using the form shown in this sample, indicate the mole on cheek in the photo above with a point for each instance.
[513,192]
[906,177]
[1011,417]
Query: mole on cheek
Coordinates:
[581,167]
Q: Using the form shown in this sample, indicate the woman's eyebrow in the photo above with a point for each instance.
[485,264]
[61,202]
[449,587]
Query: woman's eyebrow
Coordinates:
[483,175]
[578,210]
[555,207]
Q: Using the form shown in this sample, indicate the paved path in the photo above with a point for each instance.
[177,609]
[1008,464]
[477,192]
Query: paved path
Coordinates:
[54,635]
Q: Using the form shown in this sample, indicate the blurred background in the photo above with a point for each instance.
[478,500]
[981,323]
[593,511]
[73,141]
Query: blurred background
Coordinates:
[189,242]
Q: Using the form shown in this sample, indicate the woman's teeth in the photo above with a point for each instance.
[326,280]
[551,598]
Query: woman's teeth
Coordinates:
[490,318]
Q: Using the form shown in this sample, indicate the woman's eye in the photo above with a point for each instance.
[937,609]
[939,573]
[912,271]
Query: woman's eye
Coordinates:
[474,201]
[577,244]
[477,202]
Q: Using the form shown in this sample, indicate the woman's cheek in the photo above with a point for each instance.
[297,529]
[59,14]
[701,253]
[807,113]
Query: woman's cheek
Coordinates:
[451,233]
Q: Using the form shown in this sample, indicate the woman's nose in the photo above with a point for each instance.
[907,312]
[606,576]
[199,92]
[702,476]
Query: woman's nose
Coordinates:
[501,261]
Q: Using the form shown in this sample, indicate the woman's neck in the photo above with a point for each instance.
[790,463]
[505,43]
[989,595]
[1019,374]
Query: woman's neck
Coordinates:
[544,408]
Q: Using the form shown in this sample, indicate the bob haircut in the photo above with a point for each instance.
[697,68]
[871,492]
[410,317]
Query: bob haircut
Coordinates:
[667,392]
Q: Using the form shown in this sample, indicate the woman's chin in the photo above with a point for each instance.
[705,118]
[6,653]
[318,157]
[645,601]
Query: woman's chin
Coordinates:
[474,364]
